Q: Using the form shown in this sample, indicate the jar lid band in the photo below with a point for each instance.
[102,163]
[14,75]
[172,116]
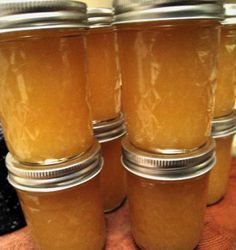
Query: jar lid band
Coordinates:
[168,167]
[100,17]
[134,11]
[229,14]
[54,177]
[110,130]
[224,126]
[25,15]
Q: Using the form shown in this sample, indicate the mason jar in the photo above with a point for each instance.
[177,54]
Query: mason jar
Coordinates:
[168,53]
[104,84]
[43,101]
[223,130]
[61,202]
[112,178]
[167,196]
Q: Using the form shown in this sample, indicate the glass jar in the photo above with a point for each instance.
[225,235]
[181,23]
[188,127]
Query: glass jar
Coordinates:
[167,196]
[43,106]
[11,216]
[225,96]
[223,130]
[62,200]
[103,85]
[112,178]
[168,67]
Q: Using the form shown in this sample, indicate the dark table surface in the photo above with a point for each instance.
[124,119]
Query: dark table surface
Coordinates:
[219,231]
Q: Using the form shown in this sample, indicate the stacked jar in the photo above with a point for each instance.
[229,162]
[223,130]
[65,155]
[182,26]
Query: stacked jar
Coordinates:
[224,123]
[54,161]
[104,89]
[168,54]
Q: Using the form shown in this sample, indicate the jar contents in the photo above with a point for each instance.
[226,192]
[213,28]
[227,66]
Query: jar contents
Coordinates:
[69,219]
[167,215]
[168,80]
[113,183]
[225,96]
[43,105]
[103,74]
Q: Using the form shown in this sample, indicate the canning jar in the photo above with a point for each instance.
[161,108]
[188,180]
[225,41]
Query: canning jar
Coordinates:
[11,216]
[167,196]
[223,130]
[61,202]
[112,178]
[43,105]
[103,72]
[168,55]
[225,96]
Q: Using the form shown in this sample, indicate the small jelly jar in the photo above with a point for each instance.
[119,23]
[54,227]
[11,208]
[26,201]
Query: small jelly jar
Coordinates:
[62,202]
[225,96]
[104,84]
[223,130]
[112,178]
[168,54]
[167,196]
[43,102]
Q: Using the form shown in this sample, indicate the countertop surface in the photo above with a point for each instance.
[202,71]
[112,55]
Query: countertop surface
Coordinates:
[219,230]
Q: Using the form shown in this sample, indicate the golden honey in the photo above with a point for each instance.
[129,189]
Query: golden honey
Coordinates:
[219,176]
[103,74]
[168,78]
[225,96]
[43,100]
[167,215]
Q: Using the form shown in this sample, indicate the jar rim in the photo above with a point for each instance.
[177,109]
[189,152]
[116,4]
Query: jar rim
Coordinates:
[171,167]
[100,17]
[54,177]
[229,14]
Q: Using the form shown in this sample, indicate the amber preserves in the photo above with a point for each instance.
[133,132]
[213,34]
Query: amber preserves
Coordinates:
[70,219]
[167,215]
[113,183]
[168,79]
[44,111]
[103,74]
[219,176]
[225,96]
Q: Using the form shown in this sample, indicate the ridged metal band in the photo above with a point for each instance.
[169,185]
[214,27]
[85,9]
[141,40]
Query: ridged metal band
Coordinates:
[24,15]
[109,130]
[229,14]
[168,167]
[224,126]
[135,11]
[100,17]
[56,177]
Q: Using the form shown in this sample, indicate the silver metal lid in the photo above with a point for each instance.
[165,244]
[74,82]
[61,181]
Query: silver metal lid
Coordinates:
[109,130]
[168,167]
[50,178]
[134,11]
[23,15]
[229,14]
[100,17]
[224,126]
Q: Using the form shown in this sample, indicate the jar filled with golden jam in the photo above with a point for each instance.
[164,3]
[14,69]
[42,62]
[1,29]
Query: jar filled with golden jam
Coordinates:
[43,105]
[167,196]
[112,177]
[223,130]
[168,55]
[103,73]
[225,96]
[61,202]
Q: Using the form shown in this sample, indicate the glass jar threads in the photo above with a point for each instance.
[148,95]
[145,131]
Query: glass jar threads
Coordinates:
[112,178]
[168,55]
[223,130]
[167,196]
[225,96]
[103,72]
[62,202]
[43,105]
